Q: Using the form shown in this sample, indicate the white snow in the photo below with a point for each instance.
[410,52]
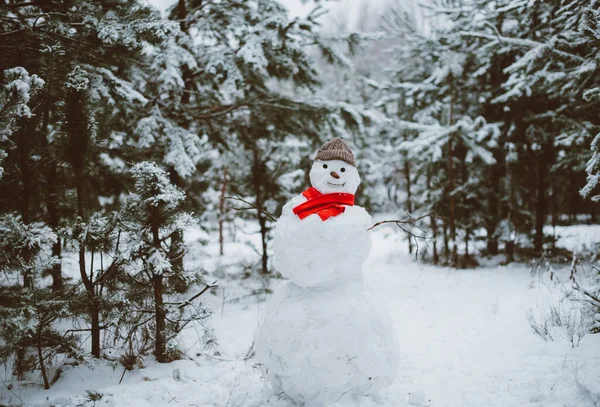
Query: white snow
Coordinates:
[417,398]
[576,237]
[464,338]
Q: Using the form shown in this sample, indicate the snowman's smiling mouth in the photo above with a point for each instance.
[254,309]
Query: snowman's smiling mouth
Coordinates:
[336,185]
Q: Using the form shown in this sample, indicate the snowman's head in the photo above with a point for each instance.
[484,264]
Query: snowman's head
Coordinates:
[334,169]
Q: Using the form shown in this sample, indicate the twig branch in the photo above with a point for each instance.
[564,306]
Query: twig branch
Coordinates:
[406,221]
[83,329]
[410,220]
[123,375]
[592,298]
[250,206]
[189,302]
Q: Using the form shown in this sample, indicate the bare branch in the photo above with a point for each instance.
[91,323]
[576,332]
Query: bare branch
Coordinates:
[189,302]
[250,206]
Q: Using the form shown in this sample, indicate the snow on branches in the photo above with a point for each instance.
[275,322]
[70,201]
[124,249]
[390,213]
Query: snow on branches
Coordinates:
[15,93]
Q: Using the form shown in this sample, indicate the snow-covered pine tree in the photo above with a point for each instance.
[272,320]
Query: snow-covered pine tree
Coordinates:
[92,55]
[150,218]
[593,171]
[107,40]
[29,312]
[589,27]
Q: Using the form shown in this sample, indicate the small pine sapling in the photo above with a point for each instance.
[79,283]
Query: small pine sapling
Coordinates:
[99,239]
[151,217]
[28,313]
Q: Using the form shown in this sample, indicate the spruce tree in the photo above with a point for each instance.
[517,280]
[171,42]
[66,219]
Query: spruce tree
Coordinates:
[28,314]
[151,217]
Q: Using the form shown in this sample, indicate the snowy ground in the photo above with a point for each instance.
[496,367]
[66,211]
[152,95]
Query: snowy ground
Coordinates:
[576,237]
[464,338]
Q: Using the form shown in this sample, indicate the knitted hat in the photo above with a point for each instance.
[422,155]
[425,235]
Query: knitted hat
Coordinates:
[336,149]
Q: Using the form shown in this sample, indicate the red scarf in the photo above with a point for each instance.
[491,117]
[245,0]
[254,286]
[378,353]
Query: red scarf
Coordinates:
[324,205]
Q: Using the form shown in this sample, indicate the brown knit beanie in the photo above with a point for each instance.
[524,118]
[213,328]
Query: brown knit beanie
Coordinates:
[336,149]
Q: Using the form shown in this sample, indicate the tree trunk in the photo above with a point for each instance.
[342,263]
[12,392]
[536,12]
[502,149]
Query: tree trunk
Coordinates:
[432,220]
[160,344]
[186,73]
[492,243]
[571,201]
[263,234]
[509,251]
[160,350]
[494,202]
[257,180]
[79,179]
[182,14]
[408,194]
[510,173]
[56,270]
[23,147]
[176,280]
[454,261]
[452,218]
[554,211]
[94,305]
[52,198]
[434,233]
[540,202]
[222,211]
[54,223]
[446,243]
[41,360]
[95,331]
[466,258]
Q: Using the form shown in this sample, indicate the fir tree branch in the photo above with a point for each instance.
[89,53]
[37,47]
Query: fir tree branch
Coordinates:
[521,42]
[16,5]
[6,34]
[220,111]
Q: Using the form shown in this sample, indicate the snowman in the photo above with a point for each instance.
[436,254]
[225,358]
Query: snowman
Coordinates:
[323,338]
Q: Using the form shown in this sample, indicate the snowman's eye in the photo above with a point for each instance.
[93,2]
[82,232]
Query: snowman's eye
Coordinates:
[343,169]
[325,166]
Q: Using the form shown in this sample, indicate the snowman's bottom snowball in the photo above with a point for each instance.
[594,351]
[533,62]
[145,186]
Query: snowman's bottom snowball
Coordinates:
[324,345]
